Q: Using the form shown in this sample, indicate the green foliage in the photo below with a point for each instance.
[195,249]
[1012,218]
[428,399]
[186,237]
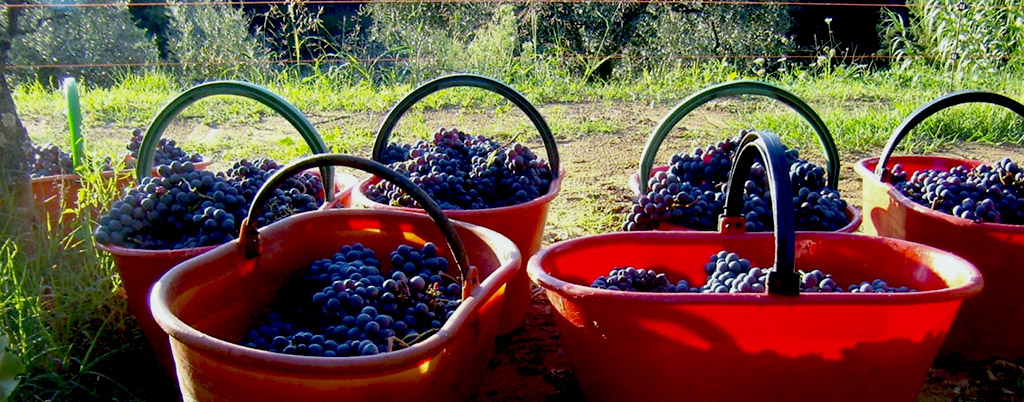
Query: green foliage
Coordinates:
[81,35]
[10,368]
[957,35]
[212,41]
[428,39]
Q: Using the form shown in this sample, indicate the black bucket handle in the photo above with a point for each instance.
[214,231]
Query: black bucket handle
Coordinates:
[147,149]
[784,280]
[250,237]
[933,107]
[733,88]
[467,80]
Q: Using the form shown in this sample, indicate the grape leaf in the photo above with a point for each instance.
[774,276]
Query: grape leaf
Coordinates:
[10,368]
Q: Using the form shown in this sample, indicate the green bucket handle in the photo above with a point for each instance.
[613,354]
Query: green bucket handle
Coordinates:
[74,112]
[467,80]
[784,280]
[933,107]
[237,88]
[249,235]
[732,88]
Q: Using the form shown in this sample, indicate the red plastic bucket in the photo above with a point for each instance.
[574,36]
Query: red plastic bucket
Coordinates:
[736,88]
[523,223]
[207,302]
[992,324]
[56,197]
[776,346]
[139,269]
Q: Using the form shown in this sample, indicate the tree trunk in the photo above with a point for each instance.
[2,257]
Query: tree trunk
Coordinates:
[17,208]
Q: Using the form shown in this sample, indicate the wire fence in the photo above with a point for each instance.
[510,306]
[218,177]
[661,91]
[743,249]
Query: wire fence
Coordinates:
[341,61]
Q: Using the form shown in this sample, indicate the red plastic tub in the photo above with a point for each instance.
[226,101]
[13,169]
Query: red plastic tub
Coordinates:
[523,223]
[776,346]
[56,196]
[139,269]
[736,88]
[207,303]
[992,324]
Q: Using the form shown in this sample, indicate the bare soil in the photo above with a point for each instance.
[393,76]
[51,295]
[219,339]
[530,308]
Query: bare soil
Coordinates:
[530,364]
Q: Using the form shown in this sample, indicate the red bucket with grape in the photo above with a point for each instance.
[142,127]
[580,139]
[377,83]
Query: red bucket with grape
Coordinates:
[182,212]
[55,185]
[688,193]
[313,306]
[967,207]
[502,186]
[739,316]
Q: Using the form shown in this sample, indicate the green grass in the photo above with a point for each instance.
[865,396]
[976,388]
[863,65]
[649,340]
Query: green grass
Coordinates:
[860,107]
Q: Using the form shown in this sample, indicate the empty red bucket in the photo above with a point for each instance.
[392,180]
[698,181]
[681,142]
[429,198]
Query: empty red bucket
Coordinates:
[736,88]
[208,302]
[140,269]
[523,223]
[989,325]
[777,346]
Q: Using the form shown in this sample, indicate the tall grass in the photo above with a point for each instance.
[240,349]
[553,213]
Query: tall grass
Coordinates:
[62,305]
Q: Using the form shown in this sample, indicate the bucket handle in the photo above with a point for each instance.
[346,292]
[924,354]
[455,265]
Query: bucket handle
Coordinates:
[936,105]
[467,80]
[249,236]
[74,112]
[784,280]
[238,88]
[732,88]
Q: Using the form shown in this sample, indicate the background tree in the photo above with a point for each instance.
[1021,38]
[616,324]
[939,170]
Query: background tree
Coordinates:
[17,212]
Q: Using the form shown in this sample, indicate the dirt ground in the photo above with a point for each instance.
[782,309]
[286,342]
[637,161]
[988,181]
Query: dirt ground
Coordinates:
[530,364]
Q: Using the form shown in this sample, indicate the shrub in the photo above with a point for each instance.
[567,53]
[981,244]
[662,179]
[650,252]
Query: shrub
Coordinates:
[212,41]
[81,35]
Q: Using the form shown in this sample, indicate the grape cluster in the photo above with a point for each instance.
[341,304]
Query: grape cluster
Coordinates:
[49,160]
[729,273]
[348,306]
[987,193]
[167,150]
[691,193]
[630,279]
[186,208]
[461,171]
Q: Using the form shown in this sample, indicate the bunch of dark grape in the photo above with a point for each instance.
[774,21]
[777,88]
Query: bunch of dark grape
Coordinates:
[301,193]
[167,150]
[729,273]
[987,193]
[630,279]
[185,208]
[461,171]
[691,193]
[348,305]
[49,160]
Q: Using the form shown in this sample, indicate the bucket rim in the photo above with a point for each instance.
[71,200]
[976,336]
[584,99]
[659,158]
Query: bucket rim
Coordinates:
[852,213]
[106,174]
[119,251]
[418,354]
[570,290]
[360,198]
[861,167]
